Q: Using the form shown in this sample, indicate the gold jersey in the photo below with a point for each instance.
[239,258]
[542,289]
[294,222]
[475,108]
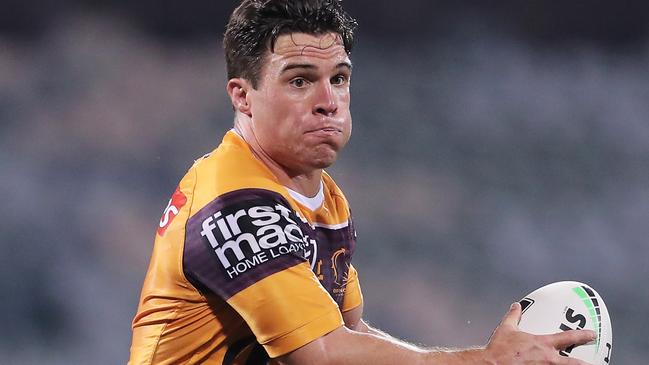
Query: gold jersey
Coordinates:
[243,269]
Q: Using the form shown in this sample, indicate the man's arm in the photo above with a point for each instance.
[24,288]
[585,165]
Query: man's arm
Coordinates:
[507,345]
[354,321]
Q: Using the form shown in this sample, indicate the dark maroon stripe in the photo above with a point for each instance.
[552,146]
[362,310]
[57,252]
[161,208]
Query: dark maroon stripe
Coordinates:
[236,348]
[336,238]
[330,241]
[201,265]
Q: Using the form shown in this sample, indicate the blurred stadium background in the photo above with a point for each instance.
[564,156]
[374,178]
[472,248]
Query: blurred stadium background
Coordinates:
[496,148]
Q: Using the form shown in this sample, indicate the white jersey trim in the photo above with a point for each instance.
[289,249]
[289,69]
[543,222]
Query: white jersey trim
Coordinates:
[313,203]
[331,226]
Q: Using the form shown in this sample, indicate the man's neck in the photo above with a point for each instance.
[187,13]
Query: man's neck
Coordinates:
[305,183]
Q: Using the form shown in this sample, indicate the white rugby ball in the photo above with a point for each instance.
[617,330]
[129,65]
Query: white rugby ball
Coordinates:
[569,305]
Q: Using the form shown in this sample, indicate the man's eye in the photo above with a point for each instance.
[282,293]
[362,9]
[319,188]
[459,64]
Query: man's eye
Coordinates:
[298,82]
[338,79]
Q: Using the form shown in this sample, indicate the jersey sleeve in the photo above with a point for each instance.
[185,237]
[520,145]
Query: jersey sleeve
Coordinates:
[249,248]
[353,295]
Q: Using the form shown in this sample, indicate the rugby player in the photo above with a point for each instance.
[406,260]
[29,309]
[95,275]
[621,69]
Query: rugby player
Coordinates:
[252,260]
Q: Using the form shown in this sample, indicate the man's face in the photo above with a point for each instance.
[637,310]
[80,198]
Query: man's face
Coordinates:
[300,109]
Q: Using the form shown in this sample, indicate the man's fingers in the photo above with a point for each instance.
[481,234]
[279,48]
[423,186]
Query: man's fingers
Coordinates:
[513,316]
[565,339]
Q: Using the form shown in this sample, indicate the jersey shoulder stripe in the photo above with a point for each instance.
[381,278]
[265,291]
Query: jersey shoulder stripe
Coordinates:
[231,242]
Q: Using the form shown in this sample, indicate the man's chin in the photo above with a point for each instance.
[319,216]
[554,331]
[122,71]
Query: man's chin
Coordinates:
[323,156]
[323,162]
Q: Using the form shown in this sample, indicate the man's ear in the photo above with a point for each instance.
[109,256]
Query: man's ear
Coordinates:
[237,89]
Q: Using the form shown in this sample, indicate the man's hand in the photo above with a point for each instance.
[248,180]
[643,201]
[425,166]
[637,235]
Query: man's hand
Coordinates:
[509,345]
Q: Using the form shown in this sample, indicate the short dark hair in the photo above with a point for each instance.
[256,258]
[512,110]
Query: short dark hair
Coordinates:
[255,25]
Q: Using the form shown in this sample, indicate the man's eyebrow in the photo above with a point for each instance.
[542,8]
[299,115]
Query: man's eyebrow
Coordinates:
[292,66]
[308,66]
[344,65]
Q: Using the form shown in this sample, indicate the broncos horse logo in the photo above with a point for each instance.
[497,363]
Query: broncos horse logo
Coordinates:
[340,267]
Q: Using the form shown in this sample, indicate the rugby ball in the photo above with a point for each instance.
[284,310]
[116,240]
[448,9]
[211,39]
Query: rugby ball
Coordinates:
[569,305]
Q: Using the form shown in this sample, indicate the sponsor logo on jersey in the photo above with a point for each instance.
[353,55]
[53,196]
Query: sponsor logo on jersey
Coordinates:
[177,201]
[245,236]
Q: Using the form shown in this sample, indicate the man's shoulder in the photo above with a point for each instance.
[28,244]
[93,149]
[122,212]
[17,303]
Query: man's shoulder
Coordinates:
[230,167]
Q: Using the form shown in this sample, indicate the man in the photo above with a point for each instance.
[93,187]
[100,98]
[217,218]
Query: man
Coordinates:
[252,260]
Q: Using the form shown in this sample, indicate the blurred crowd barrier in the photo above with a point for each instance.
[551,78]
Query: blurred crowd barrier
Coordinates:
[479,169]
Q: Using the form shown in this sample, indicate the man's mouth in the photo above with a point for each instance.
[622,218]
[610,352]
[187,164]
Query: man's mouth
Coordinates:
[326,130]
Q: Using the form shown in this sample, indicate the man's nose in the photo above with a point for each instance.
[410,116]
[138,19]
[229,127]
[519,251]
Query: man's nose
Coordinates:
[325,103]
